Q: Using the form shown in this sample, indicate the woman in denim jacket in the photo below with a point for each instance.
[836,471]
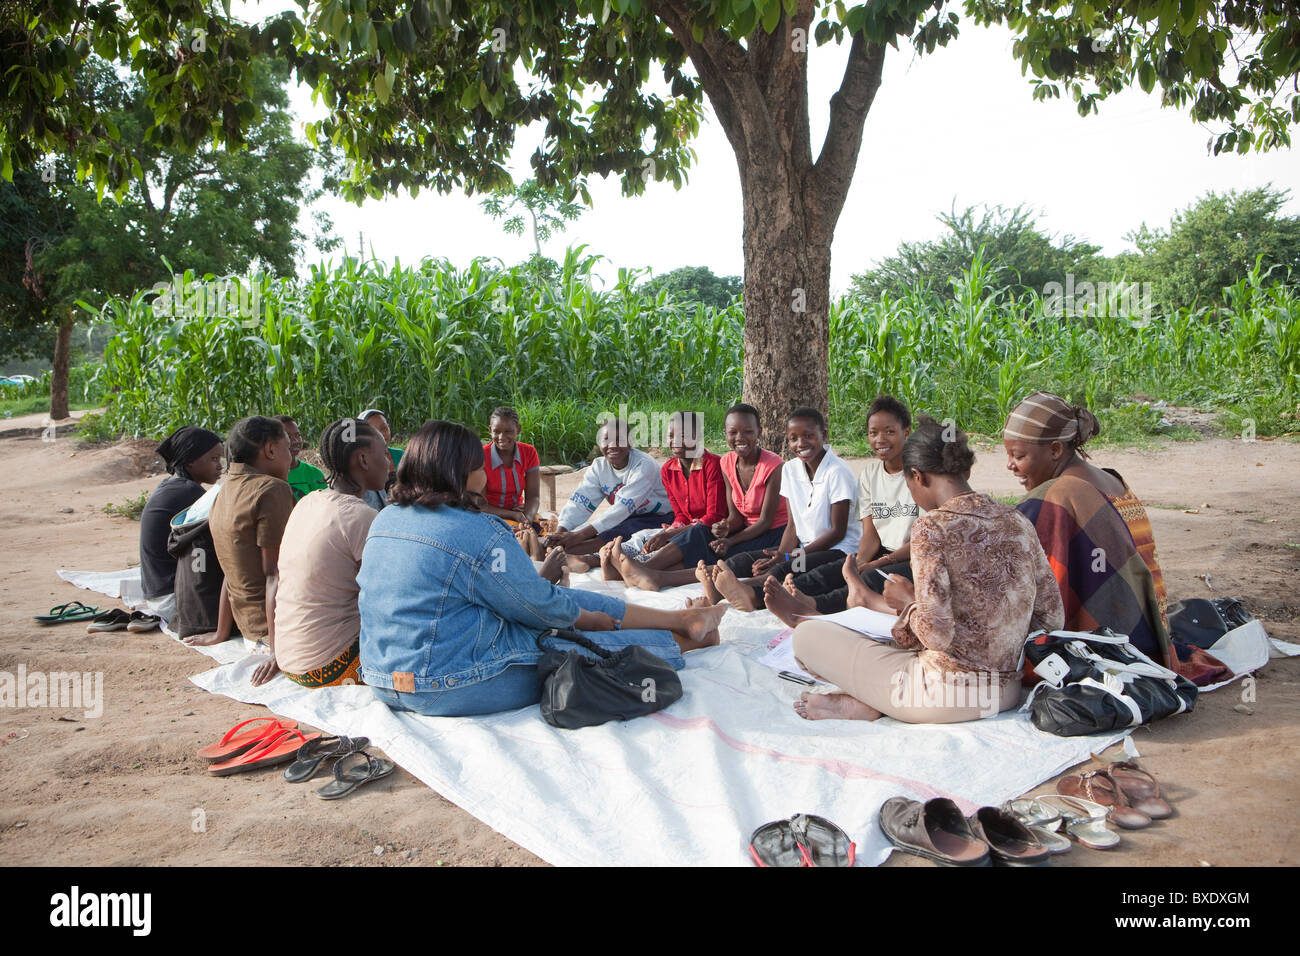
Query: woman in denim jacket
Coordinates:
[452,606]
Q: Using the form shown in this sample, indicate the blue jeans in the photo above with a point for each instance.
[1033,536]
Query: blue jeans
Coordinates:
[518,685]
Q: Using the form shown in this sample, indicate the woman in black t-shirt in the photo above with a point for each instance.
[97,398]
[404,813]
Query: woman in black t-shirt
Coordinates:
[193,455]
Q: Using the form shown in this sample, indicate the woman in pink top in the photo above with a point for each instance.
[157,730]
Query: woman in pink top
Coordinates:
[756,514]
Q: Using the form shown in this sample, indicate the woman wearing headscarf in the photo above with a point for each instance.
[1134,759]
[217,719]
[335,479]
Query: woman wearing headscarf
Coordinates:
[193,457]
[1092,526]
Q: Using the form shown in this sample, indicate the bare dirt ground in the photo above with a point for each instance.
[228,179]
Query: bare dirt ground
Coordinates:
[125,788]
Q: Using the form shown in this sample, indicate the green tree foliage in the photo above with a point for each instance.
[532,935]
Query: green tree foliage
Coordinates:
[697,284]
[431,94]
[1214,243]
[1017,254]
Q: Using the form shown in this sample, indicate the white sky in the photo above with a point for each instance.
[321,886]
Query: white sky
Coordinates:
[959,124]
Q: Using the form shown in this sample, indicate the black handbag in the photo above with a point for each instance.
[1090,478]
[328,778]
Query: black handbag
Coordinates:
[579,691]
[1202,621]
[1095,682]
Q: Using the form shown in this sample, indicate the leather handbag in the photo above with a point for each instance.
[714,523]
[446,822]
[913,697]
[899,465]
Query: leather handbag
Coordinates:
[581,691]
[1098,681]
[1202,621]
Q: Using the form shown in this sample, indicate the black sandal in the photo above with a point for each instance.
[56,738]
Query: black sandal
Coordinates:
[315,752]
[350,773]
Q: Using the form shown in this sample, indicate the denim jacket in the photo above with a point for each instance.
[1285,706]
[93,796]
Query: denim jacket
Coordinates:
[449,597]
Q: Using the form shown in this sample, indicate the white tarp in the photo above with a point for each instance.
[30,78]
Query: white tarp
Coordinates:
[685,786]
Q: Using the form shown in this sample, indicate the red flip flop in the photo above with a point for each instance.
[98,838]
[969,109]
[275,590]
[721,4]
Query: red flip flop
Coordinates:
[234,743]
[278,749]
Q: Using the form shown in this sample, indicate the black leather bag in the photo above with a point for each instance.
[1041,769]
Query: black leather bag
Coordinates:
[1201,621]
[579,691]
[1104,684]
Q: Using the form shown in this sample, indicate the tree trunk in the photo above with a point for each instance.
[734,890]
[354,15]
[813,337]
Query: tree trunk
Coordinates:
[59,373]
[759,92]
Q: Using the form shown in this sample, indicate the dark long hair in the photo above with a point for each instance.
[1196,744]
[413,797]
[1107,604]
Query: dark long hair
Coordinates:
[435,466]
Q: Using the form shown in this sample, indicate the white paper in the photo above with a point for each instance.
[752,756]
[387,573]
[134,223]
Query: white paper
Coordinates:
[874,624]
[780,656]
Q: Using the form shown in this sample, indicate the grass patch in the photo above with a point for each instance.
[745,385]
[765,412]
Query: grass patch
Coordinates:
[33,405]
[1009,500]
[130,508]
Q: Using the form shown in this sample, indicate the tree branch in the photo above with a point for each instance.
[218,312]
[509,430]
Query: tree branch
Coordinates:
[828,185]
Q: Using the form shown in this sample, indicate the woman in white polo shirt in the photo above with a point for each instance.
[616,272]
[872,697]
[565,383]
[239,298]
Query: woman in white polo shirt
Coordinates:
[820,494]
[886,511]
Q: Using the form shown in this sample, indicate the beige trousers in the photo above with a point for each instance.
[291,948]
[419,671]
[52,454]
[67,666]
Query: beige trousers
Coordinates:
[894,681]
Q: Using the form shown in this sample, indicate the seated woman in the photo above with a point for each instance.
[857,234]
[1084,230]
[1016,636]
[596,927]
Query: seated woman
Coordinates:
[513,476]
[1092,526]
[304,477]
[982,586]
[886,510]
[247,523]
[629,480]
[755,512]
[379,421]
[317,624]
[819,491]
[193,458]
[451,608]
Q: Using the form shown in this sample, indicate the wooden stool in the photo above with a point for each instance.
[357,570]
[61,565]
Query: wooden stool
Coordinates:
[548,473]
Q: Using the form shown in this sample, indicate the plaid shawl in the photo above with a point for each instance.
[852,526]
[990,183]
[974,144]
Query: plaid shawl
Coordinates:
[1104,578]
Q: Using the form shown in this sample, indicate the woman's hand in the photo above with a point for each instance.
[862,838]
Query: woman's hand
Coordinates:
[265,671]
[204,640]
[719,546]
[720,528]
[763,565]
[560,539]
[899,592]
[657,541]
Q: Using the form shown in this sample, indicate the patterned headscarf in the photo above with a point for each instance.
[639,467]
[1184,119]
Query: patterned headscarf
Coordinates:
[1042,418]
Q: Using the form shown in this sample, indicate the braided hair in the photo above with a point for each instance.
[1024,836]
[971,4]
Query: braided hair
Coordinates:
[338,442]
[248,436]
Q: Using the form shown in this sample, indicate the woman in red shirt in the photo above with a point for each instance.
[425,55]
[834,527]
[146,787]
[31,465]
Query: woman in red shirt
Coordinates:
[513,479]
[753,514]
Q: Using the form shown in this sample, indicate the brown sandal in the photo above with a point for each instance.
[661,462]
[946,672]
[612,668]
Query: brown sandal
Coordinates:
[1099,787]
[1141,789]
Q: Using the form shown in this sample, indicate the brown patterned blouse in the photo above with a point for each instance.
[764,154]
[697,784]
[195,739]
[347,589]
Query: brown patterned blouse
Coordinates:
[982,584]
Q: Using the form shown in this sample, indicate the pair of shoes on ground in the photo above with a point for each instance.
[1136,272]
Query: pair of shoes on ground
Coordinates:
[803,840]
[119,620]
[937,830]
[271,741]
[353,766]
[1131,795]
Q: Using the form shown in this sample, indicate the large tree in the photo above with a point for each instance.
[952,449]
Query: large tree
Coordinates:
[430,93]
[1215,242]
[212,210]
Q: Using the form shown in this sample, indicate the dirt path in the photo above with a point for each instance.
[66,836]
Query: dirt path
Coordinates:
[125,788]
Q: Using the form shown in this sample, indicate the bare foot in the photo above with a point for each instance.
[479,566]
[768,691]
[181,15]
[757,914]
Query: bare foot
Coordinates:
[704,574]
[858,589]
[834,707]
[608,567]
[553,566]
[635,573]
[528,540]
[784,605]
[792,589]
[740,595]
[578,563]
[702,622]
